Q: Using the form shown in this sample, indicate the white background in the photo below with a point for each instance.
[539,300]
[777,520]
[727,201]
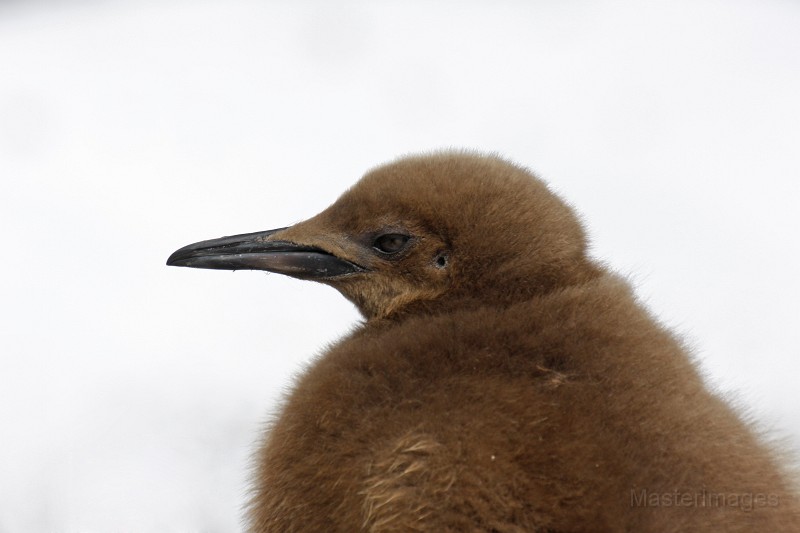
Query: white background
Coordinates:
[132,394]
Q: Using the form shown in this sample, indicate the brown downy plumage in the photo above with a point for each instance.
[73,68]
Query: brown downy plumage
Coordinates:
[502,381]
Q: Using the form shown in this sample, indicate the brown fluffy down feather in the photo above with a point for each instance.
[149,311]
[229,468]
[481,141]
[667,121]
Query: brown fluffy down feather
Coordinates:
[518,387]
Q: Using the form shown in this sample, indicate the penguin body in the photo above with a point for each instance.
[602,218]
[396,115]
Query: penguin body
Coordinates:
[501,382]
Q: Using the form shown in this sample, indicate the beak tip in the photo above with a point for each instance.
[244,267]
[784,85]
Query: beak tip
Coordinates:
[174,259]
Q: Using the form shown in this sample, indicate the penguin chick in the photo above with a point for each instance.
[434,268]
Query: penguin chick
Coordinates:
[501,382]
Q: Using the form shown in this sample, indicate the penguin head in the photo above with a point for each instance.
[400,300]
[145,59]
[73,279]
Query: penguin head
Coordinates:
[419,233]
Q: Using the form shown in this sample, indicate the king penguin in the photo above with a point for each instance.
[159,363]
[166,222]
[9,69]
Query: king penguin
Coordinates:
[501,381]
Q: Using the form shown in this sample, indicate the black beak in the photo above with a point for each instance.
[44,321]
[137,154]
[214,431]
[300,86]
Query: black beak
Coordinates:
[252,251]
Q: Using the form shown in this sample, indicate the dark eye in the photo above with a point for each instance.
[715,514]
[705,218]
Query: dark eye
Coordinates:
[391,243]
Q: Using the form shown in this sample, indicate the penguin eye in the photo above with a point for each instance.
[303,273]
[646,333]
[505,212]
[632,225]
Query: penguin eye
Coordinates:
[390,243]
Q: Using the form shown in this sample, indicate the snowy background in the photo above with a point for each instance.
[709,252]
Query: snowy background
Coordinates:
[132,394]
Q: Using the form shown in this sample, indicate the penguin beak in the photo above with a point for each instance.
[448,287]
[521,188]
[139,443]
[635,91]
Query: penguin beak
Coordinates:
[253,251]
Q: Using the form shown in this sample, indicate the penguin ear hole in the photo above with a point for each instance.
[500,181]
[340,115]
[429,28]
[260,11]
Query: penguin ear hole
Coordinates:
[441,260]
